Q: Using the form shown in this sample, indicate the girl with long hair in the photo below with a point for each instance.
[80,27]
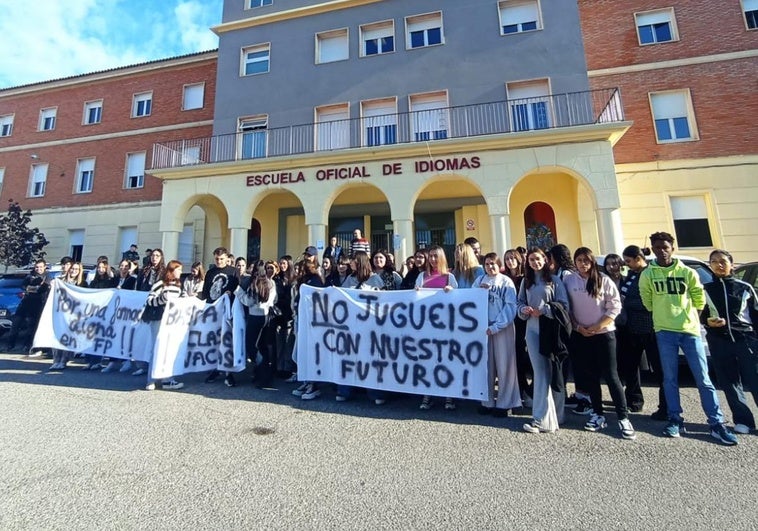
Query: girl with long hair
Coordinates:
[153,272]
[513,268]
[285,336]
[308,274]
[363,276]
[383,266]
[538,290]
[75,277]
[193,284]
[501,340]
[595,303]
[343,270]
[259,297]
[466,268]
[418,265]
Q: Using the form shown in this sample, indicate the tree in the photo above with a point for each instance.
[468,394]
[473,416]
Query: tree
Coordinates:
[20,245]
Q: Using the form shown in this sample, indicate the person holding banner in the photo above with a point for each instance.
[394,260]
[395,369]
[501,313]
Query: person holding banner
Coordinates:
[258,298]
[537,291]
[437,276]
[74,276]
[309,275]
[221,278]
[169,287]
[382,266]
[501,338]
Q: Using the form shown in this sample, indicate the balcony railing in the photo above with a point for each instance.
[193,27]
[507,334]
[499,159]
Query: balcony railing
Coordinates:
[508,116]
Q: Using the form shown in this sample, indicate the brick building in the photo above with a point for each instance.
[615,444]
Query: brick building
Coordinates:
[75,152]
[689,164]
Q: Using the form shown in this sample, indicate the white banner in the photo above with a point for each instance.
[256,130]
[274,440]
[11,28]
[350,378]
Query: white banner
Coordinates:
[424,342]
[104,322]
[197,337]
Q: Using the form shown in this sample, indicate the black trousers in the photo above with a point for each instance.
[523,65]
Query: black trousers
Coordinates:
[630,349]
[597,355]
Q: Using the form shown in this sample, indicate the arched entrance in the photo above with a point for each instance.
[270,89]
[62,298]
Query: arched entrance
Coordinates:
[277,226]
[364,207]
[539,225]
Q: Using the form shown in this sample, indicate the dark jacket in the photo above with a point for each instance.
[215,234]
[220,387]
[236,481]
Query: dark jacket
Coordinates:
[36,287]
[554,339]
[218,281]
[733,300]
[334,253]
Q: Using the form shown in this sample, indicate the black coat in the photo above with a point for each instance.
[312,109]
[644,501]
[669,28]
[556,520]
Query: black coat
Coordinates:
[554,340]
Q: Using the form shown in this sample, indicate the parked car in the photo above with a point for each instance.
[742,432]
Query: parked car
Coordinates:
[11,294]
[748,273]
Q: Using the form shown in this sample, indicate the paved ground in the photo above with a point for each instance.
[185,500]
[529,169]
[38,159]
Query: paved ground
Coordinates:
[86,450]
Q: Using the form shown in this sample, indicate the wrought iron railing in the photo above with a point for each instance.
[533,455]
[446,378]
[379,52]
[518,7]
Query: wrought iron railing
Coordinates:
[507,116]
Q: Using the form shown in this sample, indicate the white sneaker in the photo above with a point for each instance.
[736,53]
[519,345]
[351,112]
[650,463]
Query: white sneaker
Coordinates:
[340,398]
[742,429]
[627,430]
[172,384]
[300,390]
[311,392]
[596,423]
[110,367]
[126,366]
[150,387]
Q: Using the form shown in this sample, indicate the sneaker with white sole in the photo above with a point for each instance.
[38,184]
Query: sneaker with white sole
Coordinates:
[311,392]
[627,430]
[340,398]
[292,378]
[583,408]
[535,426]
[171,384]
[449,404]
[110,367]
[674,429]
[596,423]
[426,403]
[300,390]
[721,433]
[150,386]
[126,366]
[742,429]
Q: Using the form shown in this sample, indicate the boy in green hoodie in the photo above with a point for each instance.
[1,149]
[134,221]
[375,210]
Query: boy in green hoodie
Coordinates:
[673,293]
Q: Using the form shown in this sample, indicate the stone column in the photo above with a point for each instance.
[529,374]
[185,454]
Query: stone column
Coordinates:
[238,242]
[500,229]
[170,245]
[404,229]
[609,230]
[316,232]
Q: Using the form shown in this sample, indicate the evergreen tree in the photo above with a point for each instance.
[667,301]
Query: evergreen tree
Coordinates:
[20,245]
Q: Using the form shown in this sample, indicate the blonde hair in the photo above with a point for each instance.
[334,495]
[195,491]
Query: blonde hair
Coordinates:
[465,262]
[439,252]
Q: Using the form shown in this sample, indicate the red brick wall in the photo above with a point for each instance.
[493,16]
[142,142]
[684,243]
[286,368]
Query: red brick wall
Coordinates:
[705,27]
[166,85]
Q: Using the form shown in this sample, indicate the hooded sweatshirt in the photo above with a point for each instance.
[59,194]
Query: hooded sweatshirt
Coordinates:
[674,295]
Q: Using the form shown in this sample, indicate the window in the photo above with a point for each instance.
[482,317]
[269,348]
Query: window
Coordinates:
[2,178]
[423,30]
[429,116]
[259,3]
[37,180]
[379,122]
[255,59]
[528,104]
[85,175]
[254,137]
[378,38]
[135,170]
[193,96]
[47,119]
[332,46]
[190,155]
[142,104]
[93,112]
[673,116]
[750,8]
[656,26]
[519,15]
[6,125]
[76,244]
[691,221]
[332,127]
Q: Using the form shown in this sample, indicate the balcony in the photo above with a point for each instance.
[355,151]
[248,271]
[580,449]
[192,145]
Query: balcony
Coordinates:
[257,141]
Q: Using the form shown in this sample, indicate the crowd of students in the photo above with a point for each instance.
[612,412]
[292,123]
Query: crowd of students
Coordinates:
[550,313]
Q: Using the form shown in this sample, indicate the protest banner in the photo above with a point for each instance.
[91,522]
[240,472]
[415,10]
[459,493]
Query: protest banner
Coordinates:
[195,336]
[426,342]
[104,322]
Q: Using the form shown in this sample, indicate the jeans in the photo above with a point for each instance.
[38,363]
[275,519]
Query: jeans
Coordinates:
[692,346]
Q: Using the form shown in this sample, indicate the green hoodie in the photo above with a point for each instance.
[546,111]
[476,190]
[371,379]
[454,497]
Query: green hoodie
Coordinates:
[675,295]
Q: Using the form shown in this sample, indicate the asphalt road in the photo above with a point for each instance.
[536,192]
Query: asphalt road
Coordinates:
[85,450]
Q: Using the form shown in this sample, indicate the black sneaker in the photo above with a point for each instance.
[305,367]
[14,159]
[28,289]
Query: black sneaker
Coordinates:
[212,376]
[229,381]
[572,400]
[583,408]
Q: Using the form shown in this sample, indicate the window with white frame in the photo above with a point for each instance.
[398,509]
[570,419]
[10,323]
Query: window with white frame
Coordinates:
[6,125]
[378,38]
[379,122]
[750,9]
[429,116]
[142,104]
[135,170]
[193,96]
[332,46]
[529,104]
[259,3]
[256,59]
[37,180]
[76,244]
[47,119]
[673,116]
[656,26]
[517,16]
[85,175]
[691,224]
[424,30]
[333,127]
[253,137]
[93,112]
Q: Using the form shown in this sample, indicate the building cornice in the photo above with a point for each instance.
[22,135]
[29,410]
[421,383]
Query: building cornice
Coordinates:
[674,63]
[306,11]
[688,164]
[608,132]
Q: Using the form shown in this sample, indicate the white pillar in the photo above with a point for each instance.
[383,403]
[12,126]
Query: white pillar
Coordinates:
[499,227]
[609,230]
[238,242]
[403,228]
[170,245]
[316,233]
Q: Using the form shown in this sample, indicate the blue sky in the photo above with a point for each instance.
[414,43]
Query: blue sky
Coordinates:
[49,39]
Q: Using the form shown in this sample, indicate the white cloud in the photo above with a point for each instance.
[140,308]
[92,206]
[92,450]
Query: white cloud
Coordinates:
[70,37]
